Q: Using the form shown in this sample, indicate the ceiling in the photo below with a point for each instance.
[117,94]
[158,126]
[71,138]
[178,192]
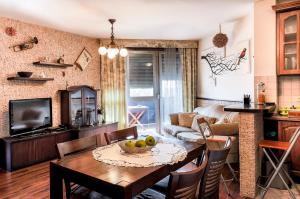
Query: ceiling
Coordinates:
[136,19]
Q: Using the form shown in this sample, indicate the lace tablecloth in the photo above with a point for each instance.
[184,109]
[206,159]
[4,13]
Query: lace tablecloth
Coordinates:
[162,154]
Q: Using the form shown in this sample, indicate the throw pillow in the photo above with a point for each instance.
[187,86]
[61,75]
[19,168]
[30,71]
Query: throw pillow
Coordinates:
[186,119]
[231,117]
[174,119]
[210,120]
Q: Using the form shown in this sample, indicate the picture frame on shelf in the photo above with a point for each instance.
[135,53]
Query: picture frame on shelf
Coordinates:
[83,59]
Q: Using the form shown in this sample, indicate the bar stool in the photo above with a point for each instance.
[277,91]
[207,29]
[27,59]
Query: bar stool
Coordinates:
[208,135]
[286,147]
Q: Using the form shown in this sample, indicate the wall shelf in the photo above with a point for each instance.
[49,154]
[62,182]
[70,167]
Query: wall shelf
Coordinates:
[37,79]
[49,64]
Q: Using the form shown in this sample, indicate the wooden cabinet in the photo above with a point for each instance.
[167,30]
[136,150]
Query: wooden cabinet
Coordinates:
[288,43]
[294,157]
[17,153]
[285,127]
[79,106]
[288,130]
[44,149]
[22,153]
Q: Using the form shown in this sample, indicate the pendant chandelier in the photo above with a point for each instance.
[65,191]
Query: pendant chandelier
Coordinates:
[112,49]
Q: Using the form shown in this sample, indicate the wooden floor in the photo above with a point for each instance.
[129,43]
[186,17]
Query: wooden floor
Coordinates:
[33,183]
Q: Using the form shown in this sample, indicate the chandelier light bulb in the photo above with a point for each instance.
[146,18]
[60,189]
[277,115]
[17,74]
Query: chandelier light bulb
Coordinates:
[111,53]
[102,50]
[123,52]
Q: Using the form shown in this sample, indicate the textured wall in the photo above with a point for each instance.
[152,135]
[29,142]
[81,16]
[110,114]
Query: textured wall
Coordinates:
[230,85]
[52,44]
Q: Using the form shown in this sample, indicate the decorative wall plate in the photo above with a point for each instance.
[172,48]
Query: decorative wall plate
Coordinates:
[83,59]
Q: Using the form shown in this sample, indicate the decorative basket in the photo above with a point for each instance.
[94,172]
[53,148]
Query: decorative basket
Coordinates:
[220,40]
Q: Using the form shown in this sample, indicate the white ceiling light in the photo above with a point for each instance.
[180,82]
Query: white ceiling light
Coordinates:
[112,50]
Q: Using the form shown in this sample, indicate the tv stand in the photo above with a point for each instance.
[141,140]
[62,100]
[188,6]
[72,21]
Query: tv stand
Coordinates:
[21,151]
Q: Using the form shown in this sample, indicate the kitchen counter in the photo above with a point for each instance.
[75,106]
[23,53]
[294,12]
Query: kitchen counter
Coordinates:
[252,108]
[250,134]
[282,118]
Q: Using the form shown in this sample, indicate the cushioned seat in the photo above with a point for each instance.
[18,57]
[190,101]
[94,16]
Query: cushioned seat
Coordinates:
[150,194]
[226,124]
[174,129]
[162,185]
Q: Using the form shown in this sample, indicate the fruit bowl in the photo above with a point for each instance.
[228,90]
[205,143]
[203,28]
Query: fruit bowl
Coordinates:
[134,149]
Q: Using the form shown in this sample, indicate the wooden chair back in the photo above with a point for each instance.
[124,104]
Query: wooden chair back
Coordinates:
[184,185]
[209,186]
[67,148]
[204,127]
[122,134]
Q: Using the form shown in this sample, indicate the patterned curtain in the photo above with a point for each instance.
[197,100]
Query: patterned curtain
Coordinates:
[189,71]
[113,89]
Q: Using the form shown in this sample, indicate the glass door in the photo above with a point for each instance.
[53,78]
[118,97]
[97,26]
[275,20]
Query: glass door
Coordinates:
[76,107]
[90,107]
[142,90]
[289,43]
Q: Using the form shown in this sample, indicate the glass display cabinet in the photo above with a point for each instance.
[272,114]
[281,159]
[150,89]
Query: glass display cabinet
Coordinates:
[288,41]
[79,106]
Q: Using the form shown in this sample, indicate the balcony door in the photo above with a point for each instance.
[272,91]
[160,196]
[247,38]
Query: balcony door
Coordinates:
[142,90]
[154,88]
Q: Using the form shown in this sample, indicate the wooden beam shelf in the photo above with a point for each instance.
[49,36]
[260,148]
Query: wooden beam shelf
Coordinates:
[49,64]
[37,79]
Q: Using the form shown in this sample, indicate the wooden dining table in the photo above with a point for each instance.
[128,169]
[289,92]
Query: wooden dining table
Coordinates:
[113,181]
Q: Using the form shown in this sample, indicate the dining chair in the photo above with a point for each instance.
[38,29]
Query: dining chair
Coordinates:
[277,164]
[123,134]
[209,185]
[181,185]
[207,133]
[71,147]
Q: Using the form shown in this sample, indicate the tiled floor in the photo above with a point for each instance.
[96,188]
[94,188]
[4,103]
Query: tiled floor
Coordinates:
[280,194]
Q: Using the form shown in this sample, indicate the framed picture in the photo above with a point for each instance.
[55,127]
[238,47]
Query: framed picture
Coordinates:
[83,59]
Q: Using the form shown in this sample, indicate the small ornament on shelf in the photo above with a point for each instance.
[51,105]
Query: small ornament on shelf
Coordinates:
[25,45]
[10,31]
[100,112]
[61,60]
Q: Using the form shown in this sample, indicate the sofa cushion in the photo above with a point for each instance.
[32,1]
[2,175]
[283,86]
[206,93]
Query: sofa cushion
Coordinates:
[197,137]
[190,136]
[226,129]
[215,110]
[174,130]
[186,119]
[174,119]
[231,117]
[210,120]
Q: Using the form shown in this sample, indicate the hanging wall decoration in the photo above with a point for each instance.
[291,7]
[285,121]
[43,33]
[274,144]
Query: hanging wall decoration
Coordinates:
[83,59]
[220,40]
[25,45]
[220,65]
[10,31]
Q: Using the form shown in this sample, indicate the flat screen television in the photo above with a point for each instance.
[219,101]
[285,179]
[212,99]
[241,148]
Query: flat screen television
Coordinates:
[29,115]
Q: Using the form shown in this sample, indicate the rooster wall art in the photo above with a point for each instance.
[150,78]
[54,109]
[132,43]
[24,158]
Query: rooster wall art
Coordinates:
[219,64]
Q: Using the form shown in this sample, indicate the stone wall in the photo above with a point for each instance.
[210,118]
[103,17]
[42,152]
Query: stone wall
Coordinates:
[52,44]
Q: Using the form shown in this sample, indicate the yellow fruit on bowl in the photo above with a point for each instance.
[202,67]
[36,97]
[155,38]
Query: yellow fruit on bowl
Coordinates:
[140,143]
[130,144]
[150,141]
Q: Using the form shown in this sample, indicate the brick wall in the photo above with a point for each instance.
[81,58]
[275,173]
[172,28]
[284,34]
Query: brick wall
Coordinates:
[52,44]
